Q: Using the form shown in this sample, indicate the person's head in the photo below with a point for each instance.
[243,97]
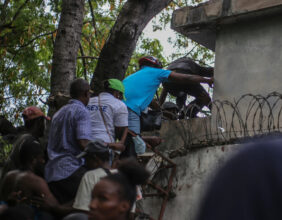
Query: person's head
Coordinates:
[31,157]
[115,87]
[96,154]
[34,120]
[8,183]
[114,195]
[149,61]
[80,90]
[249,186]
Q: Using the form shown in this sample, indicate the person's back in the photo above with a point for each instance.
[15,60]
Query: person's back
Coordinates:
[96,156]
[89,180]
[69,133]
[62,145]
[114,112]
[13,162]
[141,87]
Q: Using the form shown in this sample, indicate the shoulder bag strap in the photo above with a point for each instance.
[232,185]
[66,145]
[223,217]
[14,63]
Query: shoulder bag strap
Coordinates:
[101,112]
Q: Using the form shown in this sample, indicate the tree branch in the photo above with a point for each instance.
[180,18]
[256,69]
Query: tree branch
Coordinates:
[14,17]
[41,35]
[83,62]
[3,10]
[93,18]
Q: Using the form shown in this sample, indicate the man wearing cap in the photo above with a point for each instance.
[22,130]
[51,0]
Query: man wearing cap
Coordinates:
[109,116]
[96,156]
[34,125]
[70,131]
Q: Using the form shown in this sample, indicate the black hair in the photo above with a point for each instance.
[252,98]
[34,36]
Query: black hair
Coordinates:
[29,124]
[105,156]
[78,88]
[30,149]
[251,181]
[148,63]
[129,176]
[107,88]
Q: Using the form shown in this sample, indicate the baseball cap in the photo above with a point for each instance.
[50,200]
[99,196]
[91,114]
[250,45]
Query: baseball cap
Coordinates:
[117,85]
[94,147]
[33,112]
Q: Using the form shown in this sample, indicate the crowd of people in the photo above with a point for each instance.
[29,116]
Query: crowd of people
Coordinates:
[88,168]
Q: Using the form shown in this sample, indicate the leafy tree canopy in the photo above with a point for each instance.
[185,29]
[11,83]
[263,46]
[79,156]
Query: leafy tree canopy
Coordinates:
[27,35]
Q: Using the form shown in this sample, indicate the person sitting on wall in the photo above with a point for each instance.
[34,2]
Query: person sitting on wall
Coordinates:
[34,123]
[109,115]
[180,91]
[70,132]
[141,87]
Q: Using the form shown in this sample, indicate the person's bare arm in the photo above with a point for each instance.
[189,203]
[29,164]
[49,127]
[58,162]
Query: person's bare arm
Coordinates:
[189,79]
[163,96]
[121,133]
[117,146]
[40,188]
[44,199]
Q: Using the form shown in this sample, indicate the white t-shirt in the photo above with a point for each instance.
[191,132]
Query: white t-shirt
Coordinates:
[87,183]
[115,114]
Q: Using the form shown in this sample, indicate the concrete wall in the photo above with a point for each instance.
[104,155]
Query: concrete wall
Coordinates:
[184,142]
[248,58]
[249,61]
[194,173]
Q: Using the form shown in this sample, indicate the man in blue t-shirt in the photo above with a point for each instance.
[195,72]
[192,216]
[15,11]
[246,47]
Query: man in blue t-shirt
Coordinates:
[141,87]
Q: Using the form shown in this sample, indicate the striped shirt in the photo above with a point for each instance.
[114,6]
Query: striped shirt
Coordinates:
[70,124]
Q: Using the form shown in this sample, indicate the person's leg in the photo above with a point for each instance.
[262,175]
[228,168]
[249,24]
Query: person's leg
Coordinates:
[202,99]
[65,190]
[181,99]
[133,121]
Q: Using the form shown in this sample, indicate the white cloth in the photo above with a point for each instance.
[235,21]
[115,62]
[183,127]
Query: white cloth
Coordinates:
[87,183]
[115,114]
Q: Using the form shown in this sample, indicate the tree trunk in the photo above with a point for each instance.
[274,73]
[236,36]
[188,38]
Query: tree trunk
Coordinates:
[65,52]
[118,49]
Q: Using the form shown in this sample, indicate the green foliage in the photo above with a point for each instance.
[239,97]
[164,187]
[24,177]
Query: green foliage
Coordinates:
[27,35]
[5,149]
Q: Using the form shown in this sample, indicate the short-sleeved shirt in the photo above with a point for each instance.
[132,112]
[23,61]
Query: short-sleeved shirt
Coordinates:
[115,114]
[70,124]
[87,183]
[141,87]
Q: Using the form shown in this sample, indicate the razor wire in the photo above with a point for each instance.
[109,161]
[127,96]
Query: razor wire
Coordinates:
[249,116]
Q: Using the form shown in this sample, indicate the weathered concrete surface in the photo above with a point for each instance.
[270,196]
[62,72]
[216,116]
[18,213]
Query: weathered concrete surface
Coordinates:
[249,61]
[194,132]
[200,23]
[248,58]
[194,173]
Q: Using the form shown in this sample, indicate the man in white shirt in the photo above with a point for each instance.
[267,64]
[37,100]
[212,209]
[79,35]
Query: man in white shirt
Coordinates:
[96,157]
[109,115]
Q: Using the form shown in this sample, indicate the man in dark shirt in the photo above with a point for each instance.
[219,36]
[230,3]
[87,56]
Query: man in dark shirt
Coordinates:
[34,124]
[188,66]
